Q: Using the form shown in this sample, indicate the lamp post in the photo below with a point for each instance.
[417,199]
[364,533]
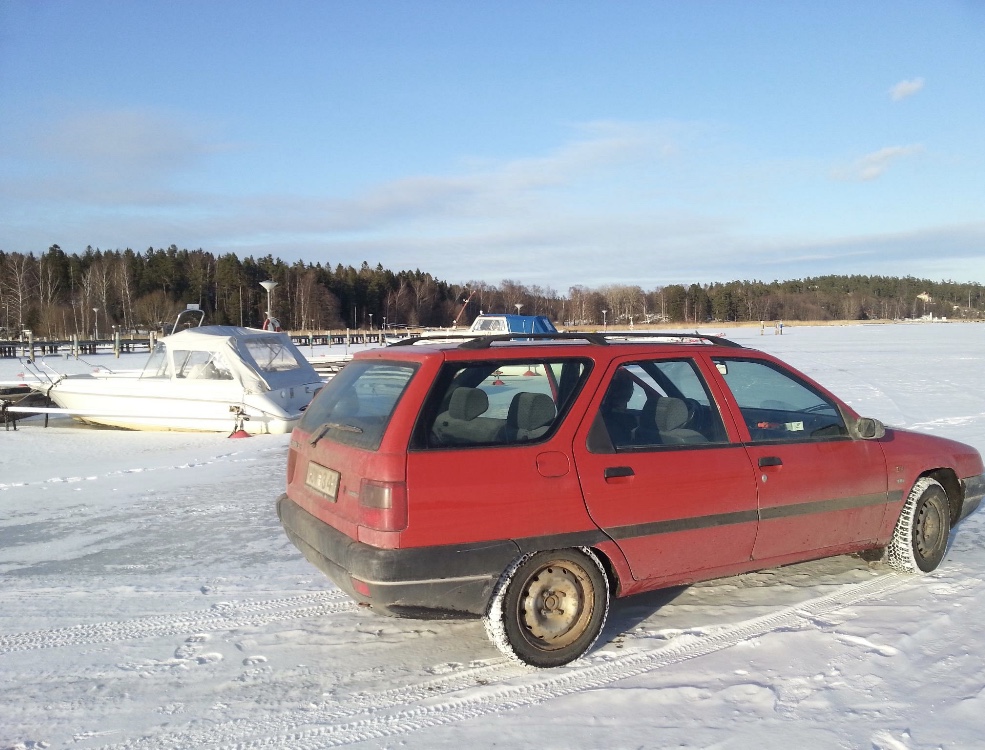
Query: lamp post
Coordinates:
[517,305]
[95,324]
[604,323]
[269,286]
[371,321]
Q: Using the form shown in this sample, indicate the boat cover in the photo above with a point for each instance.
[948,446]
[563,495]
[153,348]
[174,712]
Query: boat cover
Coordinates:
[261,360]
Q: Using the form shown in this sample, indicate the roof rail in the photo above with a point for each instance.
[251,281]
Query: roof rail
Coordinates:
[603,339]
[484,341]
[676,338]
[437,339]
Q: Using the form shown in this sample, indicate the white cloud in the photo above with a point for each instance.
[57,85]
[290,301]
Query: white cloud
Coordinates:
[120,146]
[874,165]
[905,89]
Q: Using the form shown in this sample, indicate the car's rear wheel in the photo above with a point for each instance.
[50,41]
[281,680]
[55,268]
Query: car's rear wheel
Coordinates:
[548,608]
[920,539]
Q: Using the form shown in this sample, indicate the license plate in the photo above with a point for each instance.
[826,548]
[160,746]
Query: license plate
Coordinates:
[323,480]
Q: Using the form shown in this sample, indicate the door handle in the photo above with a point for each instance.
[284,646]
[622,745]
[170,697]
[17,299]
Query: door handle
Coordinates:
[618,472]
[770,461]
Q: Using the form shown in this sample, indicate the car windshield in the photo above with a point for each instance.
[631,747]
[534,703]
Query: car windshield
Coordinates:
[355,406]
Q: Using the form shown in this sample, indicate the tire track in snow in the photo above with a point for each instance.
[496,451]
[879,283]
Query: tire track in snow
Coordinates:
[221,616]
[232,457]
[385,715]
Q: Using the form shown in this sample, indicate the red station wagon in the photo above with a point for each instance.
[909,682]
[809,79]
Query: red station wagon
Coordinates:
[526,479]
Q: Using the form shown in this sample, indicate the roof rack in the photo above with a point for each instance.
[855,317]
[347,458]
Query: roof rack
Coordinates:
[602,339]
[434,339]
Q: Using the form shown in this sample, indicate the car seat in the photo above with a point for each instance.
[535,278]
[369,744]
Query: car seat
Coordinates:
[529,417]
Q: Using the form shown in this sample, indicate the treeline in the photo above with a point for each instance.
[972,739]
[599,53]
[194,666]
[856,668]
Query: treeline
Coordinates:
[59,294]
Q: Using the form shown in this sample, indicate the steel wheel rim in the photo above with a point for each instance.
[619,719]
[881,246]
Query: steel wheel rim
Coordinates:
[556,606]
[930,529]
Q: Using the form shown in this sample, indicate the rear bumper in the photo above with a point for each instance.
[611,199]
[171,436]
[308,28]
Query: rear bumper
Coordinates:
[400,582]
[974,490]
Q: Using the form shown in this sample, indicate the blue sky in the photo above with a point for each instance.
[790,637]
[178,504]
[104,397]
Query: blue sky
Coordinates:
[553,143]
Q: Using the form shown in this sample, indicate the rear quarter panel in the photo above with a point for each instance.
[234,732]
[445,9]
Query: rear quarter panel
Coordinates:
[388,463]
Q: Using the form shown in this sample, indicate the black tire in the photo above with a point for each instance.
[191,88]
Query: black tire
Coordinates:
[922,531]
[548,608]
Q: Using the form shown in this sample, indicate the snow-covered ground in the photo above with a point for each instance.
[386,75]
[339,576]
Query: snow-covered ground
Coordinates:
[149,599]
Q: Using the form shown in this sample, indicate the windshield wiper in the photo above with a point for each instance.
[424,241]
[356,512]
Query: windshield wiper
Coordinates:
[326,426]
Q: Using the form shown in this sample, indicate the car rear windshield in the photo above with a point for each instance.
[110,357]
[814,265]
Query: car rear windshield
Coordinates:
[355,406]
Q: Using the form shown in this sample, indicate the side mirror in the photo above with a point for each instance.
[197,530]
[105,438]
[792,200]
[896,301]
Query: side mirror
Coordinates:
[870,429]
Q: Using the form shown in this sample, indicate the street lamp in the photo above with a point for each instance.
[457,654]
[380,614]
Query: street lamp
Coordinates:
[517,305]
[604,324]
[269,286]
[95,324]
[371,321]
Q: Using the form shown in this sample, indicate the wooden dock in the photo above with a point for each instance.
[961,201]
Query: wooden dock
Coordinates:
[35,347]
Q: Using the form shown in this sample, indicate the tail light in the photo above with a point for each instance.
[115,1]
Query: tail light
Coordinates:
[383,505]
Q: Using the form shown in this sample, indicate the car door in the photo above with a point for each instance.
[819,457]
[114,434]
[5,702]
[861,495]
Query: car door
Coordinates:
[819,487]
[661,472]
[488,460]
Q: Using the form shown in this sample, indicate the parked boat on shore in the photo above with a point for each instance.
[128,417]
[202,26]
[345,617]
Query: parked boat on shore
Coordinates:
[209,378]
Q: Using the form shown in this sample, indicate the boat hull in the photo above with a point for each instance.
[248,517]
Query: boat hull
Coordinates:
[139,404]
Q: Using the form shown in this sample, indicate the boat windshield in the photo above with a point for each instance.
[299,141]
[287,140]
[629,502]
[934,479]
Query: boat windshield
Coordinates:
[158,365]
[190,364]
[199,365]
[271,355]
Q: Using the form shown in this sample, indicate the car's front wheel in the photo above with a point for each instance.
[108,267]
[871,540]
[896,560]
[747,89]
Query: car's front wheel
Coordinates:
[548,608]
[920,539]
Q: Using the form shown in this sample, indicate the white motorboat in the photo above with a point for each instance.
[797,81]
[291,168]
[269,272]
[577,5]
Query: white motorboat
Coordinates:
[210,378]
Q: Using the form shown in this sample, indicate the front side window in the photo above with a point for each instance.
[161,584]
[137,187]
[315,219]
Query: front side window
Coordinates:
[654,404]
[777,406]
[355,407]
[498,402]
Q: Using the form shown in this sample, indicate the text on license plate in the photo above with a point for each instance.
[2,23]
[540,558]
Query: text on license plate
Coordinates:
[322,480]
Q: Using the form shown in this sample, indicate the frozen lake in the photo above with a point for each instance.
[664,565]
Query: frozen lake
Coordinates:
[150,599]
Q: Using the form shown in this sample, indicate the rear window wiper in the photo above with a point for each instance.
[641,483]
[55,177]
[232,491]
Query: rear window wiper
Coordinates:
[326,426]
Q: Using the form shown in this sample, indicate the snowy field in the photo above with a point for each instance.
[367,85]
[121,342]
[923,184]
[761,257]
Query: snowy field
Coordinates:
[149,599]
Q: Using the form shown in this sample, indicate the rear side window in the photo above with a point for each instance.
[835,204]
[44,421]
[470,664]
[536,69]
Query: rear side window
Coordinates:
[498,402]
[655,405]
[355,407]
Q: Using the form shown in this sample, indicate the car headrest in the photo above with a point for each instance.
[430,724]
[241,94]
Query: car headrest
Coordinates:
[670,414]
[467,403]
